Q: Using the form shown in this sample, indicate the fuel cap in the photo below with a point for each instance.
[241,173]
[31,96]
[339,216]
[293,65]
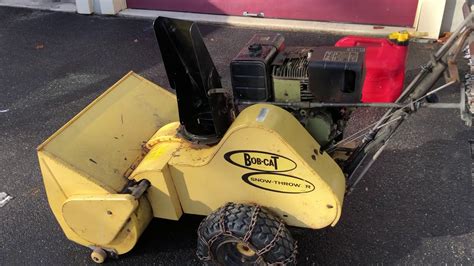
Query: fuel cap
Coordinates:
[255,49]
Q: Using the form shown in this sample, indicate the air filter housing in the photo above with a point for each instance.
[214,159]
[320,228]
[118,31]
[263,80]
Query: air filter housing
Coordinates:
[251,70]
[336,74]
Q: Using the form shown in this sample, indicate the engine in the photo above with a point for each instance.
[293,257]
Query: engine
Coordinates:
[313,83]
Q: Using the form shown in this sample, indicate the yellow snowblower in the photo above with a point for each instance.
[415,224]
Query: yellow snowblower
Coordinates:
[267,154]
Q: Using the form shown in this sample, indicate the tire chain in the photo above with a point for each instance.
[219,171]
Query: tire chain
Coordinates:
[248,234]
[272,243]
[291,258]
[214,238]
[253,221]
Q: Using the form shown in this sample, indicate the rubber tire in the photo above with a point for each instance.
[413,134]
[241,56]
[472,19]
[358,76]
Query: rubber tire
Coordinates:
[237,218]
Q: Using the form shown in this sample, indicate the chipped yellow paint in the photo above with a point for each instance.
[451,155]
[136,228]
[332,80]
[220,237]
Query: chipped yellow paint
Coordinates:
[91,154]
[130,133]
[162,194]
[106,215]
[205,180]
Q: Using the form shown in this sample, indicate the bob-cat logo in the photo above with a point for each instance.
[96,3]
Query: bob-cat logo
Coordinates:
[278,182]
[260,161]
[269,167]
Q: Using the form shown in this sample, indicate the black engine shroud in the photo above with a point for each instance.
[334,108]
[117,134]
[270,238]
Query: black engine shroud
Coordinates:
[329,74]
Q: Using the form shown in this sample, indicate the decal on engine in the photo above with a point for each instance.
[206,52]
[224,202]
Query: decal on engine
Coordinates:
[278,182]
[260,161]
[262,115]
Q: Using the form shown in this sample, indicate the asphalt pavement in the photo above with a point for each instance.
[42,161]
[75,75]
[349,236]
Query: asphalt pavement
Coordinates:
[415,205]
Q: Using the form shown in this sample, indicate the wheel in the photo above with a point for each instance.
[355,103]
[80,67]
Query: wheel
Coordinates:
[98,255]
[244,234]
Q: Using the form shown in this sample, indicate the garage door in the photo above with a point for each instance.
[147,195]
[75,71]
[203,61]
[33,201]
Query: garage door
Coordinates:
[376,12]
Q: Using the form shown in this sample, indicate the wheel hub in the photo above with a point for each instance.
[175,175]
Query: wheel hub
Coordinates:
[245,250]
[235,252]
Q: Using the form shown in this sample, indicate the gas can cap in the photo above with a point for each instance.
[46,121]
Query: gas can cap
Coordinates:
[255,49]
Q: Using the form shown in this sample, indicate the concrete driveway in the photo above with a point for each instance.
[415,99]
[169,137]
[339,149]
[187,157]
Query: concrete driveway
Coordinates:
[415,206]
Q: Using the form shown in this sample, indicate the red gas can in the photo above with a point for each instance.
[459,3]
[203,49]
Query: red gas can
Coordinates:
[385,67]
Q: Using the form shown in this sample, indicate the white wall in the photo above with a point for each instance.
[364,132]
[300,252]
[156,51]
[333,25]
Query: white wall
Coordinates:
[452,15]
